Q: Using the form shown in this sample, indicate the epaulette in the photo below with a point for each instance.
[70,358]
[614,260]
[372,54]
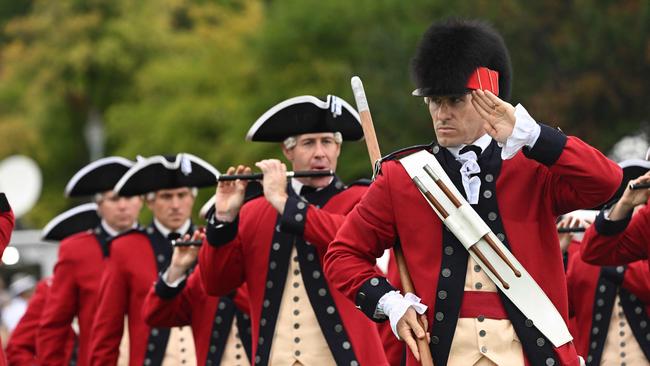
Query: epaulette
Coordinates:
[398,154]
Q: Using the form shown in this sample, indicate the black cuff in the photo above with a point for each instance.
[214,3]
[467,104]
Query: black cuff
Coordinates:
[4,204]
[294,217]
[370,293]
[549,146]
[220,233]
[165,292]
[609,227]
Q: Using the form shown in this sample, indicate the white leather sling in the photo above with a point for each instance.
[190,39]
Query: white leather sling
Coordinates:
[470,230]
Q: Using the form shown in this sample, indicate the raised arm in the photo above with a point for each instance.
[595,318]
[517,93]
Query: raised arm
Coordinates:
[169,301]
[609,242]
[316,225]
[367,231]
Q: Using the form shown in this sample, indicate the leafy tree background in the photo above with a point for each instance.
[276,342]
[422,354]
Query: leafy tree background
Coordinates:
[165,76]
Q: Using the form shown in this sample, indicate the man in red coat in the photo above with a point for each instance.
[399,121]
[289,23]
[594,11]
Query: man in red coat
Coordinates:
[518,176]
[617,237]
[607,305]
[610,305]
[220,325]
[274,244]
[21,347]
[137,256]
[81,259]
[6,227]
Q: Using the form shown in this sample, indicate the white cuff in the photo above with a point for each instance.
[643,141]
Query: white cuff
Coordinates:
[525,133]
[173,284]
[394,305]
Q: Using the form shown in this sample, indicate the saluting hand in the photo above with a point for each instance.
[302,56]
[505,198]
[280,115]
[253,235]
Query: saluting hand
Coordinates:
[274,182]
[184,256]
[631,198]
[499,115]
[230,195]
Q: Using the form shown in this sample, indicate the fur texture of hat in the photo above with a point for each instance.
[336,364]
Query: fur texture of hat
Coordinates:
[451,50]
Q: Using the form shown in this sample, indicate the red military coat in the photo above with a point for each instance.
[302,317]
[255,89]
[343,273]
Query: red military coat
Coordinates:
[135,259]
[255,250]
[520,200]
[188,304]
[22,348]
[610,243]
[6,226]
[74,293]
[6,222]
[592,287]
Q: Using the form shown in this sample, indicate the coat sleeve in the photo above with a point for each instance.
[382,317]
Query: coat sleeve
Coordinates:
[167,306]
[578,176]
[108,324]
[62,305]
[316,225]
[21,347]
[367,231]
[7,222]
[637,280]
[221,256]
[617,242]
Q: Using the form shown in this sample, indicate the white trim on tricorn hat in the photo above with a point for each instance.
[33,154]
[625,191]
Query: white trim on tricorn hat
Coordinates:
[72,221]
[339,109]
[80,184]
[136,182]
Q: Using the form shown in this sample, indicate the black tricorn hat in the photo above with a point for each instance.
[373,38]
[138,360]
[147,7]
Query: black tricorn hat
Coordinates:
[166,172]
[451,50]
[98,176]
[307,114]
[72,221]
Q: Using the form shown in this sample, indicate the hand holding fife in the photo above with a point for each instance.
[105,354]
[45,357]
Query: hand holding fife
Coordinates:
[409,329]
[274,182]
[631,198]
[498,115]
[184,256]
[570,221]
[230,195]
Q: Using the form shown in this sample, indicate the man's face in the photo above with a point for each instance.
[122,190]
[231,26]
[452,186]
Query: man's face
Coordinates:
[120,213]
[314,151]
[455,120]
[172,207]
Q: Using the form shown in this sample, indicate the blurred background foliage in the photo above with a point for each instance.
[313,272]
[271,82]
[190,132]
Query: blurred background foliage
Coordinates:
[167,76]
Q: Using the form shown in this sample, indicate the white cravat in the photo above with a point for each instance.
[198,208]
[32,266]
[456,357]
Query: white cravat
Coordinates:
[468,171]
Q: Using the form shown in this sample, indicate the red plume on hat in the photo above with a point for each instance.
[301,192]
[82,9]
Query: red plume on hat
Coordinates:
[457,55]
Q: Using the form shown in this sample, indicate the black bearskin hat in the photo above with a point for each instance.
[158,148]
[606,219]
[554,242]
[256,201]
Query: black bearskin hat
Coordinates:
[451,50]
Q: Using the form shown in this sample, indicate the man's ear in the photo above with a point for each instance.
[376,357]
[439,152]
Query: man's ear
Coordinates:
[288,153]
